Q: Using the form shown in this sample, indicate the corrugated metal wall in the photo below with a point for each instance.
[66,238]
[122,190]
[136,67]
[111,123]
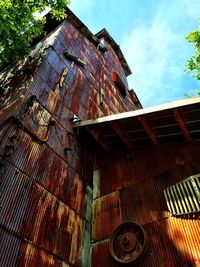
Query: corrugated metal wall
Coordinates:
[131,189]
[46,174]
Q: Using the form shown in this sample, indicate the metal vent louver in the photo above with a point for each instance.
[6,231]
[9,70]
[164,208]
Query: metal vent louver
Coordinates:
[184,197]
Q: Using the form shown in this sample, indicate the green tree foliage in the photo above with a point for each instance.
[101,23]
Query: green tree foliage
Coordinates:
[19,25]
[193,63]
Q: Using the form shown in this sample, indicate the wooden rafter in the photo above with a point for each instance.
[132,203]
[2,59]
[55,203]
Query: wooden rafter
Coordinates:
[148,129]
[181,123]
[118,130]
[98,136]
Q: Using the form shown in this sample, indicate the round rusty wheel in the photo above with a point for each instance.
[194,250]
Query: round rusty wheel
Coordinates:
[128,242]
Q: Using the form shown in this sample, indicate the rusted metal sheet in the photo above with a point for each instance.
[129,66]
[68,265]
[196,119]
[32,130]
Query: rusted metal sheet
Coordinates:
[5,130]
[142,203]
[34,256]
[128,243]
[106,216]
[36,215]
[15,80]
[30,157]
[101,255]
[16,252]
[45,169]
[115,182]
[166,165]
[140,176]
[171,242]
[14,199]
[10,246]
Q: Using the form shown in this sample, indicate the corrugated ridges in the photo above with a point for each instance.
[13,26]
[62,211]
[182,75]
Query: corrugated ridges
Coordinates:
[106,216]
[171,242]
[34,214]
[31,158]
[183,197]
[10,247]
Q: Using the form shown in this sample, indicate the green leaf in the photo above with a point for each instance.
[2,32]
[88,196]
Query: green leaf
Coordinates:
[18,25]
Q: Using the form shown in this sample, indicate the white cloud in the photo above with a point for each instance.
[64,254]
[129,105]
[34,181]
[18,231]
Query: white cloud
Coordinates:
[157,53]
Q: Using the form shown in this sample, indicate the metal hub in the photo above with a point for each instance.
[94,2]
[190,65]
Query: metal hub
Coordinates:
[128,243]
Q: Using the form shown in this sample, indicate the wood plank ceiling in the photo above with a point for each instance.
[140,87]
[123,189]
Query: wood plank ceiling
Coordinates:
[174,122]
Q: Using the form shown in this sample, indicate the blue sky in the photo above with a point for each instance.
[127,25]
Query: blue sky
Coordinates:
[151,34]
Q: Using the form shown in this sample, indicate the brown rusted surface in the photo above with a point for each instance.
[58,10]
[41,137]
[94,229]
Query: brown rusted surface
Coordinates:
[172,242]
[34,256]
[106,216]
[128,243]
[10,246]
[46,166]
[30,157]
[139,177]
[34,214]
[101,255]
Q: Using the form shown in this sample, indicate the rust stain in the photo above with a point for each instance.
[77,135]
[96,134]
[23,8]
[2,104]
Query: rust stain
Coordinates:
[45,170]
[106,210]
[33,256]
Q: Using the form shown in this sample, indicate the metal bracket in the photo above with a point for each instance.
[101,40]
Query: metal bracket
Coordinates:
[74,58]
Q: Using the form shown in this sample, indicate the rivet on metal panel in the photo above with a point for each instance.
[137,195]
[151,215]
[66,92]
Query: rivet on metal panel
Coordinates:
[128,243]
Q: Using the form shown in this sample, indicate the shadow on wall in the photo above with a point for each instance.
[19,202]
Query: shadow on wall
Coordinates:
[172,242]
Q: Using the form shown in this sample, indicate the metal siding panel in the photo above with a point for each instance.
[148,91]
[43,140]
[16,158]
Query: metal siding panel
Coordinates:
[34,214]
[31,158]
[15,189]
[110,178]
[106,216]
[9,248]
[101,255]
[33,256]
[142,203]
[172,242]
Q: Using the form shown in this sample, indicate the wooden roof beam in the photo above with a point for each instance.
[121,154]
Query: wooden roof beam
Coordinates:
[181,123]
[98,136]
[148,129]
[118,130]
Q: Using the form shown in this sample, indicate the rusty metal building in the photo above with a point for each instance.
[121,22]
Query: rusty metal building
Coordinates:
[79,157]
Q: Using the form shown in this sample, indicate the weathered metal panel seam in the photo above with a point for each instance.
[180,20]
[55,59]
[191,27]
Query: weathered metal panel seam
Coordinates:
[172,169]
[33,244]
[96,242]
[106,99]
[39,141]
[34,181]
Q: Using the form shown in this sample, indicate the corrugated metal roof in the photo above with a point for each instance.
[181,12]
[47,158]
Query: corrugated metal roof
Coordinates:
[174,122]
